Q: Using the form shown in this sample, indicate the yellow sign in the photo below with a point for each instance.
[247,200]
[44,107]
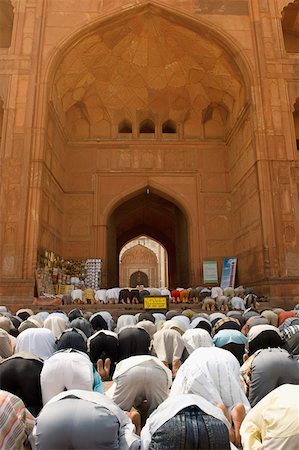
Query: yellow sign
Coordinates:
[155,302]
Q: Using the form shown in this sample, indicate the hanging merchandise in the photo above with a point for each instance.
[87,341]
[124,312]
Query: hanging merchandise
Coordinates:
[55,275]
[93,269]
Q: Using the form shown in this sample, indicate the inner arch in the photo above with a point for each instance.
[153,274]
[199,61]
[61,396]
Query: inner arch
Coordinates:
[143,255]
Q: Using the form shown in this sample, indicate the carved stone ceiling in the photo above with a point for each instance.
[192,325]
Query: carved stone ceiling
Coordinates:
[145,66]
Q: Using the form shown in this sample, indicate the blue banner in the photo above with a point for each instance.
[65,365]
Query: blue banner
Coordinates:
[229,272]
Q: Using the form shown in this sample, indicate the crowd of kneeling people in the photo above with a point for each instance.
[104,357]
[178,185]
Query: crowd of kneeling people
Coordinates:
[210,298]
[182,380]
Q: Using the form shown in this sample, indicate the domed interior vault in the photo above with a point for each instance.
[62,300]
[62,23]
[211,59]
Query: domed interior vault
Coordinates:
[145,66]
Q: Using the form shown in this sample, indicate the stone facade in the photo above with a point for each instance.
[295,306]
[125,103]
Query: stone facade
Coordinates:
[178,120]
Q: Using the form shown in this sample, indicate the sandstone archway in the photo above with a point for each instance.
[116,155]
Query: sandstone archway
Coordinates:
[151,66]
[157,217]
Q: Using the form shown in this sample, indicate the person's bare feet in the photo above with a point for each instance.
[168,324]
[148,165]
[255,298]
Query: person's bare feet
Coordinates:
[136,419]
[225,412]
[238,414]
[176,364]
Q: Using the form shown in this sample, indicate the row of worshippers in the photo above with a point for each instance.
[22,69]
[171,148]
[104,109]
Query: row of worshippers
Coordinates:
[179,378]
[211,298]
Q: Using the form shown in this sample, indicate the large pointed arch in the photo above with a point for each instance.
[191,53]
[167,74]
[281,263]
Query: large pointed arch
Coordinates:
[231,50]
[150,214]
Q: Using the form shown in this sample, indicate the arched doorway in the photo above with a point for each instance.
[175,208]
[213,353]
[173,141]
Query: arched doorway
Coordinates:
[139,278]
[149,213]
[160,121]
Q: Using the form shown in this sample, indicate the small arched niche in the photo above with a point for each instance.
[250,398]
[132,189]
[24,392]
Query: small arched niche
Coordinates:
[214,119]
[169,127]
[296,122]
[6,23]
[125,127]
[290,27]
[147,126]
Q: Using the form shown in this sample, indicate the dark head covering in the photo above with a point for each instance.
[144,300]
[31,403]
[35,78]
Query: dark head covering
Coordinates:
[229,323]
[83,325]
[74,313]
[256,320]
[144,293]
[290,337]
[124,294]
[132,342]
[134,293]
[214,317]
[98,322]
[250,312]
[146,316]
[16,321]
[203,323]
[102,346]
[237,315]
[191,428]
[23,315]
[74,339]
[263,336]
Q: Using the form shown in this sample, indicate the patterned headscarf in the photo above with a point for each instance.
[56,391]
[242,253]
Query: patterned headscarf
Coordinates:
[16,422]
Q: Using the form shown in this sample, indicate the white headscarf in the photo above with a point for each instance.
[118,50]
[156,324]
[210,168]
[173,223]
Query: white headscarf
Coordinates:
[42,315]
[7,344]
[39,341]
[158,317]
[124,321]
[184,320]
[196,338]
[168,345]
[38,318]
[214,374]
[60,314]
[56,324]
[174,325]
